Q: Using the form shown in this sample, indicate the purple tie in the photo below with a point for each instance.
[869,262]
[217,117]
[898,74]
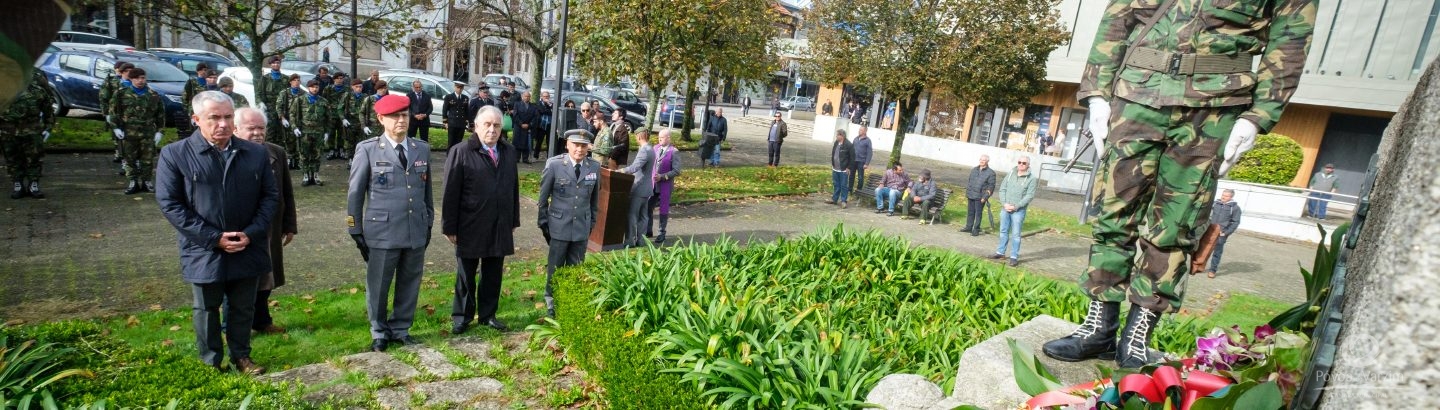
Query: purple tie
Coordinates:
[493,158]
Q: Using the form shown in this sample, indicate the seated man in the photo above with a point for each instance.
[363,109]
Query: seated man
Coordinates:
[891,186]
[921,193]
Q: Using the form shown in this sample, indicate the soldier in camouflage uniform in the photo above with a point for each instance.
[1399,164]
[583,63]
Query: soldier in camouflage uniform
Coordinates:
[1172,96]
[311,116]
[336,94]
[267,89]
[107,90]
[227,86]
[354,103]
[140,114]
[369,123]
[195,85]
[283,98]
[24,127]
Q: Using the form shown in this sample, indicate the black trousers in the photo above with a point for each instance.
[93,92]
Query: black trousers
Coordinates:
[471,297]
[974,214]
[239,314]
[421,128]
[456,134]
[262,310]
[774,154]
[857,177]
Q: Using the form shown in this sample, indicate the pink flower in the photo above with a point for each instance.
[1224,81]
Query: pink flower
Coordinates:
[1263,332]
[1213,352]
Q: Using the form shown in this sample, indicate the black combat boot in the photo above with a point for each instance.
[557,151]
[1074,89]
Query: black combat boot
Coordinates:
[1095,338]
[35,189]
[315,178]
[1133,351]
[148,186]
[664,220]
[306,181]
[18,191]
[133,187]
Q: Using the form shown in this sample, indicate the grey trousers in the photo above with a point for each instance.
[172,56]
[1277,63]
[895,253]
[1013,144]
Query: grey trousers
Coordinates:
[562,254]
[239,314]
[639,219]
[404,267]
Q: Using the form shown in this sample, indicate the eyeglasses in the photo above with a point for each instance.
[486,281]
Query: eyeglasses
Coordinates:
[584,110]
[1024,163]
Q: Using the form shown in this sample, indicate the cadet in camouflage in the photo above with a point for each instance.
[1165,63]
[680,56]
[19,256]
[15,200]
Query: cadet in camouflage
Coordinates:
[1174,99]
[227,86]
[311,116]
[354,104]
[336,94]
[282,109]
[24,127]
[195,85]
[267,89]
[140,114]
[112,83]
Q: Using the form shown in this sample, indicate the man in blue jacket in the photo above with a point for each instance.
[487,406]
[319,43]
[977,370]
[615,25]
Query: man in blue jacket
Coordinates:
[220,195]
[863,151]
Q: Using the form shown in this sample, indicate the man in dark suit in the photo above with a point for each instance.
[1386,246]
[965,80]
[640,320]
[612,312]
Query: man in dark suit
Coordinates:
[525,121]
[482,98]
[220,195]
[250,126]
[457,105]
[479,215]
[569,199]
[420,108]
[389,213]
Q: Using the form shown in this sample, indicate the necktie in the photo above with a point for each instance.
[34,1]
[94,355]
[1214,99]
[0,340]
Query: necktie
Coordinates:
[400,150]
[577,171]
[493,159]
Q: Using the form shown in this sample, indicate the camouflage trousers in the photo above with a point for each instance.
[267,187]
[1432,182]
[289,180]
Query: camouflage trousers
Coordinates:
[338,136]
[352,136]
[276,133]
[138,158]
[1152,199]
[309,145]
[23,152]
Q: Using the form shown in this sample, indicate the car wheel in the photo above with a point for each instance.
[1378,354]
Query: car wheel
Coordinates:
[58,107]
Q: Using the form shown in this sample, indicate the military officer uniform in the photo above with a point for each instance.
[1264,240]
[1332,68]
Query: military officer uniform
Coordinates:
[23,130]
[310,115]
[569,199]
[1175,92]
[140,115]
[390,211]
[455,107]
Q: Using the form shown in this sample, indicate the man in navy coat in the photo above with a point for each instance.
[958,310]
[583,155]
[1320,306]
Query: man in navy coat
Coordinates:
[220,195]
[480,211]
[420,108]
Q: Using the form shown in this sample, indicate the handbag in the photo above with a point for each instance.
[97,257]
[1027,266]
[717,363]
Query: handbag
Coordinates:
[506,123]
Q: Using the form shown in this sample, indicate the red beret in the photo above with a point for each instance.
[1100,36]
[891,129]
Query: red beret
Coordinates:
[391,103]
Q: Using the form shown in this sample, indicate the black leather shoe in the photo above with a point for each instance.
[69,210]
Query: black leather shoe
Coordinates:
[406,340]
[379,345]
[975,232]
[497,325]
[459,328]
[997,256]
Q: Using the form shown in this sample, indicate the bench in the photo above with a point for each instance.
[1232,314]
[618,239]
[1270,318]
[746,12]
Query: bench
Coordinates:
[937,204]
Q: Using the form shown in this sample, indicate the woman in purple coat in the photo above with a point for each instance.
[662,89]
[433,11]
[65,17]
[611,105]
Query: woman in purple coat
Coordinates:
[667,167]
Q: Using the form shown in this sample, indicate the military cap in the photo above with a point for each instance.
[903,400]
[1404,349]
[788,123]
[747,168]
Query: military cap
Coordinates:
[312,83]
[578,136]
[391,103]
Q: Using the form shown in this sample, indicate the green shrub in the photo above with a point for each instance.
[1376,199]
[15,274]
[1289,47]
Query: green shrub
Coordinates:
[814,322]
[28,368]
[1274,161]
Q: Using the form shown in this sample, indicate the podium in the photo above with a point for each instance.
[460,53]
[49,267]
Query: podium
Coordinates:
[613,218]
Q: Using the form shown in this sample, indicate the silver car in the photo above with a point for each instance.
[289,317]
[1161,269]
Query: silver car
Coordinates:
[437,87]
[797,103]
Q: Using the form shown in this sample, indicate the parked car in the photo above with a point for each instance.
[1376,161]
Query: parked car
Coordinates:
[493,81]
[312,67]
[672,112]
[74,78]
[436,86]
[570,85]
[623,98]
[245,86]
[87,38]
[797,103]
[188,59]
[607,108]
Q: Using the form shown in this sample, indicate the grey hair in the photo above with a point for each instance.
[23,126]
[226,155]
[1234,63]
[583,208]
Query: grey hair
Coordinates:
[243,111]
[203,100]
[1228,191]
[489,109]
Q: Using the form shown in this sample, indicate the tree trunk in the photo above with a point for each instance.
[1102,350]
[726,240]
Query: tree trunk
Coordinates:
[538,79]
[687,123]
[653,97]
[908,104]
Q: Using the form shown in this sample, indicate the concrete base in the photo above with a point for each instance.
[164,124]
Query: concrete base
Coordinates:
[985,376]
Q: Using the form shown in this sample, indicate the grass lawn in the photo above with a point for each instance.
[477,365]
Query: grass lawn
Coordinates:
[715,184]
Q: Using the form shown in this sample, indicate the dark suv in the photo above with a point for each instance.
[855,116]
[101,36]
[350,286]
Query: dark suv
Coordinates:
[187,61]
[74,78]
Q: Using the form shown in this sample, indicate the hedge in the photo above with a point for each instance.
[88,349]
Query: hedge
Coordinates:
[1274,161]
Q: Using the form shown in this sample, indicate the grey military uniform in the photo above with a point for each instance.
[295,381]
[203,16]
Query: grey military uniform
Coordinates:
[391,204]
[568,203]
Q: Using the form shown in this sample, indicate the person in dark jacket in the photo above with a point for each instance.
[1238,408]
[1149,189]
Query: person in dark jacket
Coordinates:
[842,154]
[525,122]
[250,125]
[456,106]
[977,191]
[775,137]
[864,150]
[479,214]
[1226,213]
[420,108]
[620,139]
[721,127]
[220,195]
[482,98]
[920,193]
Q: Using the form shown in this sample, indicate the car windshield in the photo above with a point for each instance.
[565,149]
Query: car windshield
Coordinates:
[298,66]
[161,71]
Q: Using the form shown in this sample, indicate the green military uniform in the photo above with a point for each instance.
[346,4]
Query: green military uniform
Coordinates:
[140,114]
[1173,104]
[193,87]
[338,97]
[368,119]
[282,110]
[312,115]
[267,91]
[354,108]
[23,127]
[107,93]
[239,100]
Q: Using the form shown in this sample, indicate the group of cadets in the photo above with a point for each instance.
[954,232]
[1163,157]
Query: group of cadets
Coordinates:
[329,114]
[135,114]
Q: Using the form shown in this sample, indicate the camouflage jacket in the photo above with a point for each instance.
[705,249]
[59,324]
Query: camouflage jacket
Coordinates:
[366,113]
[107,90]
[340,105]
[239,100]
[283,100]
[1276,30]
[268,89]
[30,112]
[192,88]
[335,97]
[139,113]
[312,117]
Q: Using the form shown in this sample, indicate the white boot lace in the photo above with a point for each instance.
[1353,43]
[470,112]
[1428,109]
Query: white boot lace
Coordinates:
[1092,321]
[1136,343]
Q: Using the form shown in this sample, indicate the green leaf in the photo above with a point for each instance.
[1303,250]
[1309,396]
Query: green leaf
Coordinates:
[1031,375]
[1262,397]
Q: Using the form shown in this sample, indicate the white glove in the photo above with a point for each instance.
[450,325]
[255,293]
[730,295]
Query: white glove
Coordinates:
[345,122]
[285,123]
[119,135]
[297,131]
[367,130]
[261,106]
[1099,123]
[46,134]
[1242,139]
[327,138]
[158,137]
[107,120]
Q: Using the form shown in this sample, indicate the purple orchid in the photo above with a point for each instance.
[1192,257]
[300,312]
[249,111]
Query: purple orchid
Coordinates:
[1263,332]
[1214,352]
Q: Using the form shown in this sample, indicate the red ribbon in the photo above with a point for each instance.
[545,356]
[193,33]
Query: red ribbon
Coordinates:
[1167,381]
[1063,396]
